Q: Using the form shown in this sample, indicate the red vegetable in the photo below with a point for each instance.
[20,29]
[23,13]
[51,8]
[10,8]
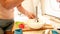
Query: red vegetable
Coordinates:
[21,26]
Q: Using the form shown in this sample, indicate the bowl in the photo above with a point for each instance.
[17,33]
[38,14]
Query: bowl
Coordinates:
[35,25]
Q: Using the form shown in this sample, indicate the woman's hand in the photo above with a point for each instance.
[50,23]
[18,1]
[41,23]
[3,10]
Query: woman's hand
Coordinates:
[30,15]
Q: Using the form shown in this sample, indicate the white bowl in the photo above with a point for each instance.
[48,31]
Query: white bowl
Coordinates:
[35,25]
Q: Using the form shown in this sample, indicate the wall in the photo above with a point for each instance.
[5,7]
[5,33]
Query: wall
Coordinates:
[52,8]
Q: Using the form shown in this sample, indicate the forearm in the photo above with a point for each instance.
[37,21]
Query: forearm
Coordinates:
[22,10]
[10,3]
[25,12]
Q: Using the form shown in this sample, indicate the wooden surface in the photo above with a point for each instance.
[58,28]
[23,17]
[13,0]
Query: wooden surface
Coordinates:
[46,26]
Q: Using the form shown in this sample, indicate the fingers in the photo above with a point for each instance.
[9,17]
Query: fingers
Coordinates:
[31,15]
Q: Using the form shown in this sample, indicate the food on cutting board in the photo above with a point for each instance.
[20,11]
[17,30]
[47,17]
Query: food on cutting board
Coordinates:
[20,25]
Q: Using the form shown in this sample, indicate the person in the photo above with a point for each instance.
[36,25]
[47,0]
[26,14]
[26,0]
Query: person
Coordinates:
[7,13]
[58,1]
